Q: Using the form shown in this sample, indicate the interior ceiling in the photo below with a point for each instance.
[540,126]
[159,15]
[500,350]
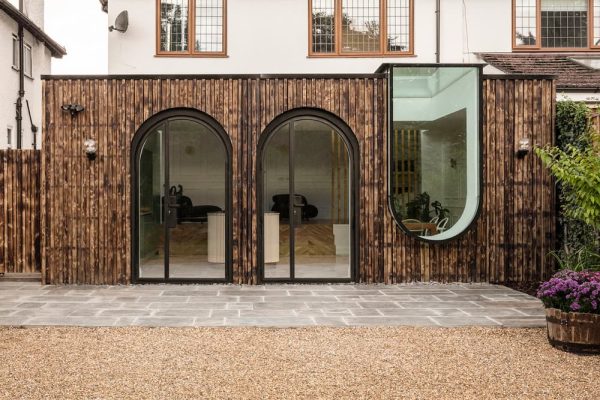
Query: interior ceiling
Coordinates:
[454,122]
[425,82]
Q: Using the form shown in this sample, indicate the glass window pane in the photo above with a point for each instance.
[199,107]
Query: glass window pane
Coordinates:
[174,25]
[321,168]
[434,142]
[197,179]
[360,26]
[596,23]
[276,200]
[27,66]
[15,52]
[398,25]
[209,26]
[323,26]
[565,23]
[150,211]
[526,22]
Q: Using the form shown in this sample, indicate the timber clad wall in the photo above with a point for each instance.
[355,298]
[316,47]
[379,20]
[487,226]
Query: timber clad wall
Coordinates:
[20,211]
[87,204]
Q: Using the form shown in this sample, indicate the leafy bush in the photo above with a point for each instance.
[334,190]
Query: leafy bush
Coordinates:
[572,291]
[575,163]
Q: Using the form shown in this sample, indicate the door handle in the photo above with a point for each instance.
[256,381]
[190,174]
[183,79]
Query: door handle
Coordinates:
[172,212]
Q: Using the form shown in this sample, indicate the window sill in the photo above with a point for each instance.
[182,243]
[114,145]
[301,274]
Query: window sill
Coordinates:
[555,50]
[187,55]
[362,55]
[25,75]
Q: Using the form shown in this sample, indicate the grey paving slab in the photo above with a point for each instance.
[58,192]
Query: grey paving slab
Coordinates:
[378,304]
[164,321]
[279,322]
[330,321]
[271,305]
[465,321]
[389,321]
[366,312]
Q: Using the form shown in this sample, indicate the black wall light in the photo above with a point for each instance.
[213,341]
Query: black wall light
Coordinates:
[74,109]
[91,148]
[524,147]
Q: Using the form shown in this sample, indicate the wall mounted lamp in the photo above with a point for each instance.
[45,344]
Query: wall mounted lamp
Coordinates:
[91,148]
[524,147]
[74,109]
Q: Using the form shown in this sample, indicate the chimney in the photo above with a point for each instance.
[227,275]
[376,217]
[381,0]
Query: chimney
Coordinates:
[34,9]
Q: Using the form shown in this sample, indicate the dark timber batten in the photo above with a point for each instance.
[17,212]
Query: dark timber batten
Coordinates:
[20,211]
[86,205]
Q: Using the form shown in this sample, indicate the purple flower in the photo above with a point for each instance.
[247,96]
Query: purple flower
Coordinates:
[572,291]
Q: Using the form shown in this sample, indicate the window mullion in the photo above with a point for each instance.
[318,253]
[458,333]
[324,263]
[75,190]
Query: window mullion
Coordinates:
[538,18]
[192,26]
[383,26]
[338,27]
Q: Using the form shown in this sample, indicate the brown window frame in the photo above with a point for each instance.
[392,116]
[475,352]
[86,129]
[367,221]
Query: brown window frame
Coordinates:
[538,46]
[383,29]
[191,52]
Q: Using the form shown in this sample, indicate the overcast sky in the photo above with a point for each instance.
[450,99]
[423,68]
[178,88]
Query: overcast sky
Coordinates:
[82,28]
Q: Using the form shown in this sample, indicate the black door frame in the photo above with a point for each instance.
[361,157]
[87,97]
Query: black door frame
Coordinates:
[145,129]
[349,139]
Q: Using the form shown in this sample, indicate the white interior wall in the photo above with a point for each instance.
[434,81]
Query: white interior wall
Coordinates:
[198,163]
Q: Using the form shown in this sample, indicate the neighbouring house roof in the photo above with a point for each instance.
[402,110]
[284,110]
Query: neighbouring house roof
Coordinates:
[104,4]
[56,49]
[569,73]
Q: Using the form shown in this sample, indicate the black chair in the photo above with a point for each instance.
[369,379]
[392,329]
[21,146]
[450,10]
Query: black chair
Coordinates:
[282,206]
[187,211]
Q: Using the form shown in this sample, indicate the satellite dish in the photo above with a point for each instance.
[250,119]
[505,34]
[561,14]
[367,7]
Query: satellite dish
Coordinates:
[121,23]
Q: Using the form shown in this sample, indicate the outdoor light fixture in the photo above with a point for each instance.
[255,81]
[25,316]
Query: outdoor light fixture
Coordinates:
[91,148]
[74,109]
[524,147]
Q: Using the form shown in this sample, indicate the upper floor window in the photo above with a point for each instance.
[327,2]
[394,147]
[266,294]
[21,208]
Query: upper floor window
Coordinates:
[28,62]
[191,27]
[556,24]
[361,27]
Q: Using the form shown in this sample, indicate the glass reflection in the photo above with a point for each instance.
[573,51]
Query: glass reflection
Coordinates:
[435,149]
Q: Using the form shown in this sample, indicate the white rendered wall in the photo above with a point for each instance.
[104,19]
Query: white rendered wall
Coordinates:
[269,36]
[9,89]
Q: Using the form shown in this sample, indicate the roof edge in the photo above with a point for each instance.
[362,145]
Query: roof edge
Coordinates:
[56,49]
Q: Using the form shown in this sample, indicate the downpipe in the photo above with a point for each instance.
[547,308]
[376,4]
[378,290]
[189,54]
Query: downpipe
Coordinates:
[437,31]
[19,104]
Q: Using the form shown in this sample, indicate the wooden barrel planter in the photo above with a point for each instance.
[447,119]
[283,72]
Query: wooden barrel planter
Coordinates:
[573,332]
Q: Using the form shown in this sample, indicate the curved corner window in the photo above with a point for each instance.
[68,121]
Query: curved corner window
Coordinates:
[435,149]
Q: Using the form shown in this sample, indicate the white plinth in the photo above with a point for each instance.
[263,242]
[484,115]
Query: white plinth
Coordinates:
[216,237]
[341,236]
[271,229]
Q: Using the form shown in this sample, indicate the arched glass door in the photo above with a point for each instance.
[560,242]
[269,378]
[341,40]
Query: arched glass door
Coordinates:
[182,203]
[307,202]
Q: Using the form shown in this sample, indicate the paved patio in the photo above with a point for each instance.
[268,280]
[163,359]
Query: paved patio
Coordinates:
[30,304]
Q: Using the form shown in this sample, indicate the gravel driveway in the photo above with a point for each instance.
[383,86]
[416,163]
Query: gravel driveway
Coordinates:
[255,363]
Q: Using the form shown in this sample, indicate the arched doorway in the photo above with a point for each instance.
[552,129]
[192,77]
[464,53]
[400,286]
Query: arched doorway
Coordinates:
[307,184]
[181,199]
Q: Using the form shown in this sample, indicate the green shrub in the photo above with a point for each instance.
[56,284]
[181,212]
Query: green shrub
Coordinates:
[575,163]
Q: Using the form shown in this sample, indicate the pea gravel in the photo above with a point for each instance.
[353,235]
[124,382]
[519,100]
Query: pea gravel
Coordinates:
[310,363]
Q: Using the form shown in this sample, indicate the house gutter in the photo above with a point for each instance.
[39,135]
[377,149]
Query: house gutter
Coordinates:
[19,104]
[437,31]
